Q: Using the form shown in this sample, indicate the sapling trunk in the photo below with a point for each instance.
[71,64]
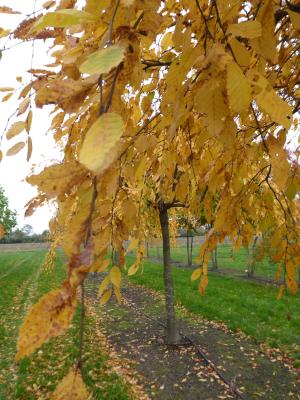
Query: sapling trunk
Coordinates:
[172,329]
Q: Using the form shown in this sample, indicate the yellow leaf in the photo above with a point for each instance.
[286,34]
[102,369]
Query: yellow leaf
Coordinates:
[8,10]
[167,40]
[280,292]
[196,274]
[4,32]
[279,110]
[267,42]
[103,285]
[102,61]
[71,387]
[203,284]
[241,53]
[15,149]
[133,244]
[100,267]
[133,269]
[2,232]
[57,177]
[247,29]
[97,152]
[210,101]
[238,89]
[107,295]
[23,106]
[15,129]
[48,4]
[7,97]
[115,276]
[62,19]
[7,89]
[295,18]
[29,149]
[118,294]
[49,317]
[28,121]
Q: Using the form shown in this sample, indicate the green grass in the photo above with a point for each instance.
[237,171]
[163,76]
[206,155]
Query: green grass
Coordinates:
[228,258]
[22,283]
[246,306]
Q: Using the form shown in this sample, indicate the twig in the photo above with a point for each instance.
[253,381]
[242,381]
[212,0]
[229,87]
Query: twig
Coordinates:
[92,209]
[204,19]
[111,23]
[113,86]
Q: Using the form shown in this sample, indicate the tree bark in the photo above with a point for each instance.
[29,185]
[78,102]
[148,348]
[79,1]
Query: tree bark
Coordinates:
[172,329]
[189,246]
[116,258]
[215,259]
[191,250]
[251,263]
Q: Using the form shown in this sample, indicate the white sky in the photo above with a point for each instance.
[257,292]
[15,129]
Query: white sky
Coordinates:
[13,170]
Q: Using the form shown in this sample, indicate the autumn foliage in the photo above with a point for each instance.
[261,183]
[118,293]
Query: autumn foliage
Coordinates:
[162,103]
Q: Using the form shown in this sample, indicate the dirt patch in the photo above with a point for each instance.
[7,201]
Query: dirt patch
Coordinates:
[180,373]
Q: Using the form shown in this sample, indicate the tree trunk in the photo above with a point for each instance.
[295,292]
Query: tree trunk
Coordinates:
[251,263]
[188,248]
[172,330]
[214,259]
[147,249]
[116,258]
[191,250]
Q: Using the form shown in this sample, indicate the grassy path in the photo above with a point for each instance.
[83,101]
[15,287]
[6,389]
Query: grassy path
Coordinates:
[176,374]
[246,306]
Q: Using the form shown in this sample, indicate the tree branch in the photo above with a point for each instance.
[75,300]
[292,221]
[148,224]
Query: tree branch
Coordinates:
[111,23]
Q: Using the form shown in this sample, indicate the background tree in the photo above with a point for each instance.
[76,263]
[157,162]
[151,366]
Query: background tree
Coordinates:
[8,217]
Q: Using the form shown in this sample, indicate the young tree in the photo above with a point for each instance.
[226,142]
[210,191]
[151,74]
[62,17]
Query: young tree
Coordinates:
[8,217]
[193,97]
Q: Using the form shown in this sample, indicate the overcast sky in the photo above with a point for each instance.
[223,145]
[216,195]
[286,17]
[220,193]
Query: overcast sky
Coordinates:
[13,170]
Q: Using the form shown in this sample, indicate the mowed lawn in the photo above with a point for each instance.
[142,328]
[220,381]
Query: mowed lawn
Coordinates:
[22,282]
[242,305]
[228,258]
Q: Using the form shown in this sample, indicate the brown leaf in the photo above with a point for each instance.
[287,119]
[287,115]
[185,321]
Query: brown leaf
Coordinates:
[47,318]
[15,149]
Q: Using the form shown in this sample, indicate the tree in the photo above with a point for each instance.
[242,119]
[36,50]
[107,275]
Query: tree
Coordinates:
[8,218]
[188,101]
[27,230]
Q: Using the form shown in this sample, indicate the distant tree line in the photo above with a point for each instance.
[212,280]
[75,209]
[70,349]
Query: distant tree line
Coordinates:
[25,235]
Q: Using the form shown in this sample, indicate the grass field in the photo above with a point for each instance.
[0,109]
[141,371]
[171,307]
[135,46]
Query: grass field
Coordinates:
[246,306]
[22,282]
[228,258]
[243,305]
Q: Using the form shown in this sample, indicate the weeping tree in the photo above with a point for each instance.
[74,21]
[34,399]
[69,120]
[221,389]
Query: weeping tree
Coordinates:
[197,95]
